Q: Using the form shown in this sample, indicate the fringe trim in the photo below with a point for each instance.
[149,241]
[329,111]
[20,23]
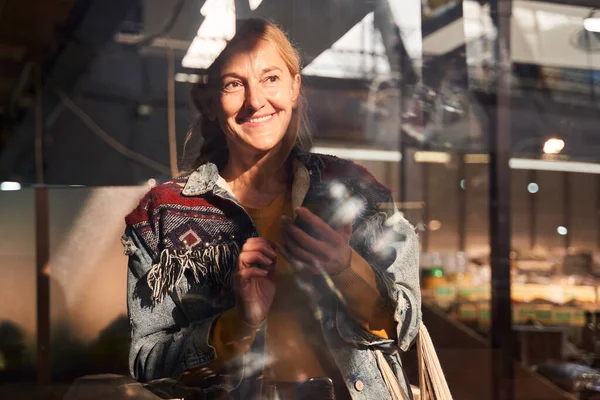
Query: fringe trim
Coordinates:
[213,264]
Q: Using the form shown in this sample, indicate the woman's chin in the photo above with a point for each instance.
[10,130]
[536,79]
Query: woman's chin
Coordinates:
[264,147]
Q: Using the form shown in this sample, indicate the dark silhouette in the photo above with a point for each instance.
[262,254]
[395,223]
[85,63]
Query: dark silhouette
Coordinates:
[110,351]
[16,363]
[70,358]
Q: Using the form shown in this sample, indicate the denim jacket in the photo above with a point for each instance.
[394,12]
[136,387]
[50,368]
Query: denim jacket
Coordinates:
[170,331]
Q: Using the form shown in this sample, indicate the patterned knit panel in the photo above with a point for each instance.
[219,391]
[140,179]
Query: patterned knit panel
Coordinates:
[166,219]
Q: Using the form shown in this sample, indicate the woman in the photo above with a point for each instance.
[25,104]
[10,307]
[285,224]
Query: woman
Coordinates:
[232,285]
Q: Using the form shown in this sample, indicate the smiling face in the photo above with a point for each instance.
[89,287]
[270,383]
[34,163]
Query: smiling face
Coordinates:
[257,98]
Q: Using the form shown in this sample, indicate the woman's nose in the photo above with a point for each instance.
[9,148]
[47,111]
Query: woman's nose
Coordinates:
[255,97]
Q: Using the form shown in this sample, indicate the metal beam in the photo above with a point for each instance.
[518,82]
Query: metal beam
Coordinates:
[501,335]
[462,202]
[395,50]
[96,28]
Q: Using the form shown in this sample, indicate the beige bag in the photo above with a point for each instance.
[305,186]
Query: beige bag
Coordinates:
[432,383]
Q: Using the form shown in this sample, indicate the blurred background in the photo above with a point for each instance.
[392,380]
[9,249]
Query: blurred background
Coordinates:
[483,118]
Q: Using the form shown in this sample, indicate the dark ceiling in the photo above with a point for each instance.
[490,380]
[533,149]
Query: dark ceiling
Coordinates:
[30,33]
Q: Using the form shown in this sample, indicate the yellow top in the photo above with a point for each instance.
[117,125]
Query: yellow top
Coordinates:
[290,324]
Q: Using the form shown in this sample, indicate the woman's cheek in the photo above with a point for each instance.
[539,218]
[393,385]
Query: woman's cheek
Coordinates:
[274,92]
[231,103]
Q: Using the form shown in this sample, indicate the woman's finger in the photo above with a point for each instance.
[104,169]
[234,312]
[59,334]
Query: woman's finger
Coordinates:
[322,228]
[300,254]
[297,264]
[345,229]
[248,258]
[261,245]
[252,272]
[305,240]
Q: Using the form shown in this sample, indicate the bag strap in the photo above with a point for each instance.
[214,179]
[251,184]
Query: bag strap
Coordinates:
[432,382]
[390,379]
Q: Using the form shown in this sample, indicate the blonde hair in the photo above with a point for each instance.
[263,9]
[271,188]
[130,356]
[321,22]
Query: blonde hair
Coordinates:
[214,145]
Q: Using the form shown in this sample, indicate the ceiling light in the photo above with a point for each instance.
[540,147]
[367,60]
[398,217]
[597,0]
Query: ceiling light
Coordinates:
[360,154]
[184,78]
[10,186]
[181,77]
[562,230]
[563,166]
[554,146]
[592,22]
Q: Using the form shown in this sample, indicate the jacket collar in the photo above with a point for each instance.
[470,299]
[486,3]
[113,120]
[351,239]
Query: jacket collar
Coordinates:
[206,178]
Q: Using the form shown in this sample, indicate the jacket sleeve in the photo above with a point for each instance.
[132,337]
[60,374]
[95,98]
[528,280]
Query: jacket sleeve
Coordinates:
[389,243]
[164,344]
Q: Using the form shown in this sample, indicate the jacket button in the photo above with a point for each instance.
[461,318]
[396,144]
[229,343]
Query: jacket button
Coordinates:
[359,385]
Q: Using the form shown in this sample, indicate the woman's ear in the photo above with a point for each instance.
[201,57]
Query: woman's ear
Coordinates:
[296,84]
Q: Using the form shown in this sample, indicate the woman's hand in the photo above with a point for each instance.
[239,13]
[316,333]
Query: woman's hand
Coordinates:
[329,249]
[254,282]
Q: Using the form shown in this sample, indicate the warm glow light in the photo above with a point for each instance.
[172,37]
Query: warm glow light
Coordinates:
[533,188]
[477,158]
[434,225]
[554,146]
[432,157]
[151,182]
[592,24]
[10,186]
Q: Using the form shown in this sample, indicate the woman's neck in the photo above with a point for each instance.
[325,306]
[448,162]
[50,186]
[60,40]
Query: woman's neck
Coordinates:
[256,182]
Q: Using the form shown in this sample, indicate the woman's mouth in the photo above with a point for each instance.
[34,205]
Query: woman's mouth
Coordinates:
[261,119]
[258,120]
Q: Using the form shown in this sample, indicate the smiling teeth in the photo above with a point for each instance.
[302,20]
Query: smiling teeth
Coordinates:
[260,119]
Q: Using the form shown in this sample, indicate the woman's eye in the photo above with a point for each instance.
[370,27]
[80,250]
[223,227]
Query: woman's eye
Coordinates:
[230,86]
[272,78]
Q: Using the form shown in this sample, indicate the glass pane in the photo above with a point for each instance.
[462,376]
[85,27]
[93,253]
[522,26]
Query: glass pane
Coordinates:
[442,205]
[101,102]
[549,210]
[89,324]
[18,323]
[521,207]
[477,208]
[584,212]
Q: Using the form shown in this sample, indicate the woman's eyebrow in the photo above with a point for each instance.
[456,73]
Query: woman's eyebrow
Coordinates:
[270,69]
[231,75]
[264,71]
